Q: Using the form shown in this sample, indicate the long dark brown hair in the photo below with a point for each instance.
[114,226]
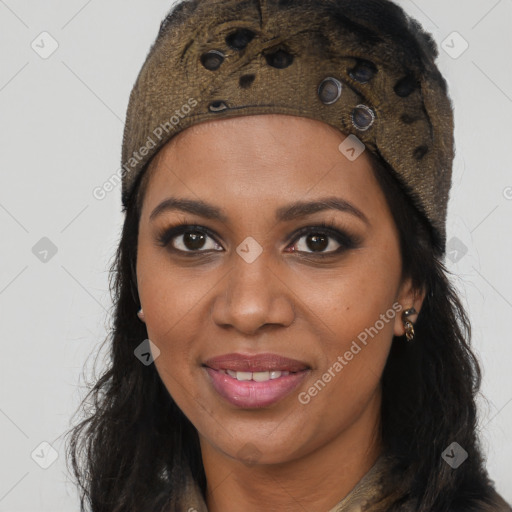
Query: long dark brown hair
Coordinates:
[130,451]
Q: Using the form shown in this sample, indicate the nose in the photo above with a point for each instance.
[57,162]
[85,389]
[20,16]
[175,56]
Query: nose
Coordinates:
[253,296]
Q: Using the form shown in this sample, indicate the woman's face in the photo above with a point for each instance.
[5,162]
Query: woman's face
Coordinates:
[255,273]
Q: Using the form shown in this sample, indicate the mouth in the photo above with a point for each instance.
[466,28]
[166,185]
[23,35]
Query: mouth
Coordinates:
[254,381]
[258,363]
[262,376]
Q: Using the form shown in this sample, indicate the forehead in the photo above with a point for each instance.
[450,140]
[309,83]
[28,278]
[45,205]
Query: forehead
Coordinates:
[260,159]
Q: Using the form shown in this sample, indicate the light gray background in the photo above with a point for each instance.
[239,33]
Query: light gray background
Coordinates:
[61,122]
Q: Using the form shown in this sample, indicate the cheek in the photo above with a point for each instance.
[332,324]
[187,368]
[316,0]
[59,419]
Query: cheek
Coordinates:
[170,297]
[355,306]
[172,321]
[354,297]
[175,308]
[354,353]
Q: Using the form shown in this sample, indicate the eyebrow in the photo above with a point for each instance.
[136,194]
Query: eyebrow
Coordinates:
[284,213]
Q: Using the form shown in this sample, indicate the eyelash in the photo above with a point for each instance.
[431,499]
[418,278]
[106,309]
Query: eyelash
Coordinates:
[346,241]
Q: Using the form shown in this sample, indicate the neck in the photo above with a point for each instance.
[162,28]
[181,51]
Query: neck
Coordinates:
[315,482]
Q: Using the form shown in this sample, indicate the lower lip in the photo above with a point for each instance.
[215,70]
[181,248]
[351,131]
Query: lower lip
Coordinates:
[250,394]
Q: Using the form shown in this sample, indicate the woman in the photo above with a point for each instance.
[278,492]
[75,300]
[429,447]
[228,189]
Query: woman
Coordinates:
[286,336]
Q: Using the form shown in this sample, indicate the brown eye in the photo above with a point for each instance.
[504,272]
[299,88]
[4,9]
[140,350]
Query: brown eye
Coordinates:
[193,241]
[317,242]
[324,240]
[188,239]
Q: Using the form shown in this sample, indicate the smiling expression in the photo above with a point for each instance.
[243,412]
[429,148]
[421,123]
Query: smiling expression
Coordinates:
[257,237]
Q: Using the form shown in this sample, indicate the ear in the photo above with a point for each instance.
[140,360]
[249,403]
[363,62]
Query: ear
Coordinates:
[408,297]
[140,314]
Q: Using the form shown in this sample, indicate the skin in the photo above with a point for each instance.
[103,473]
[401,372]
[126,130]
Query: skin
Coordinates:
[306,456]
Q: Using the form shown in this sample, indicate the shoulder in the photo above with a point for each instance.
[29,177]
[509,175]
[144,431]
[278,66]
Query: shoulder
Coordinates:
[493,502]
[476,493]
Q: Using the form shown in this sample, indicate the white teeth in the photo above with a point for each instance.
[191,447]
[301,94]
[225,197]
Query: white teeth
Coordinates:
[261,376]
[256,376]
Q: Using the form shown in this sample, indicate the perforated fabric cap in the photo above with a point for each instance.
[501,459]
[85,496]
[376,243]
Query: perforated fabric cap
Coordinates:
[362,66]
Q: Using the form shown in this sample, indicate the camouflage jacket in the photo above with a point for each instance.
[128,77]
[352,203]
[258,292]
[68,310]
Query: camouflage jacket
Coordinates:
[360,499]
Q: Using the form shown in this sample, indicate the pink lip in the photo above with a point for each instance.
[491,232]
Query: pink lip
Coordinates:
[255,363]
[250,394]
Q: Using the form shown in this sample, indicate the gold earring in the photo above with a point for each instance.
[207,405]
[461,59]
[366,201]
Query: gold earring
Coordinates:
[409,327]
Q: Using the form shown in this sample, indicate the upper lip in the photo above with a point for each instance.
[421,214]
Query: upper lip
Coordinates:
[255,363]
